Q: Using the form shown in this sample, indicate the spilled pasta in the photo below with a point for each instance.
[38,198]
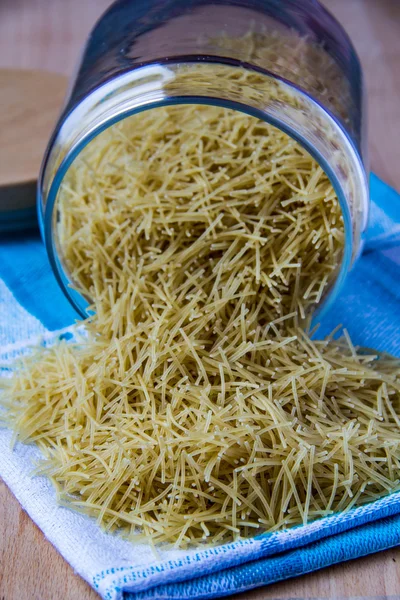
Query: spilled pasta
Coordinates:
[197,408]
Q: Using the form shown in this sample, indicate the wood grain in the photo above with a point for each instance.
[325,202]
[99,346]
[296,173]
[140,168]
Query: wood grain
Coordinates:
[30,102]
[48,34]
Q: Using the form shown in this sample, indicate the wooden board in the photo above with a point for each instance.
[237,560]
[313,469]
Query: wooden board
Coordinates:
[30,102]
[48,34]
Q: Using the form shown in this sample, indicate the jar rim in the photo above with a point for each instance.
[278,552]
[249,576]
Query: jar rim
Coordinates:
[46,210]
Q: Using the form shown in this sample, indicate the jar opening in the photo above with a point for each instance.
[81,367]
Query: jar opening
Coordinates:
[176,173]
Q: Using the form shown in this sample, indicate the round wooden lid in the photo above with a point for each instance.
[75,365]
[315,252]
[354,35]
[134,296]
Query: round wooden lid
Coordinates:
[30,103]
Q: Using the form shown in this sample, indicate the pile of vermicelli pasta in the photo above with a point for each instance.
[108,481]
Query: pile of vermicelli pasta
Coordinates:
[197,408]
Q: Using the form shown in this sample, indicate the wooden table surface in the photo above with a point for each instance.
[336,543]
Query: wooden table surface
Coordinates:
[48,34]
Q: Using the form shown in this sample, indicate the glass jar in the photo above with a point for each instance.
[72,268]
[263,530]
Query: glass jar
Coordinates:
[288,62]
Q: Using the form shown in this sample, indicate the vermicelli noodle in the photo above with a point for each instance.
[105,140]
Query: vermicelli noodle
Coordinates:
[198,408]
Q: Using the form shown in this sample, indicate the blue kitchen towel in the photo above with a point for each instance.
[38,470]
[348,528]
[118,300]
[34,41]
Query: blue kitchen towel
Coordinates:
[380,535]
[26,271]
[368,306]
